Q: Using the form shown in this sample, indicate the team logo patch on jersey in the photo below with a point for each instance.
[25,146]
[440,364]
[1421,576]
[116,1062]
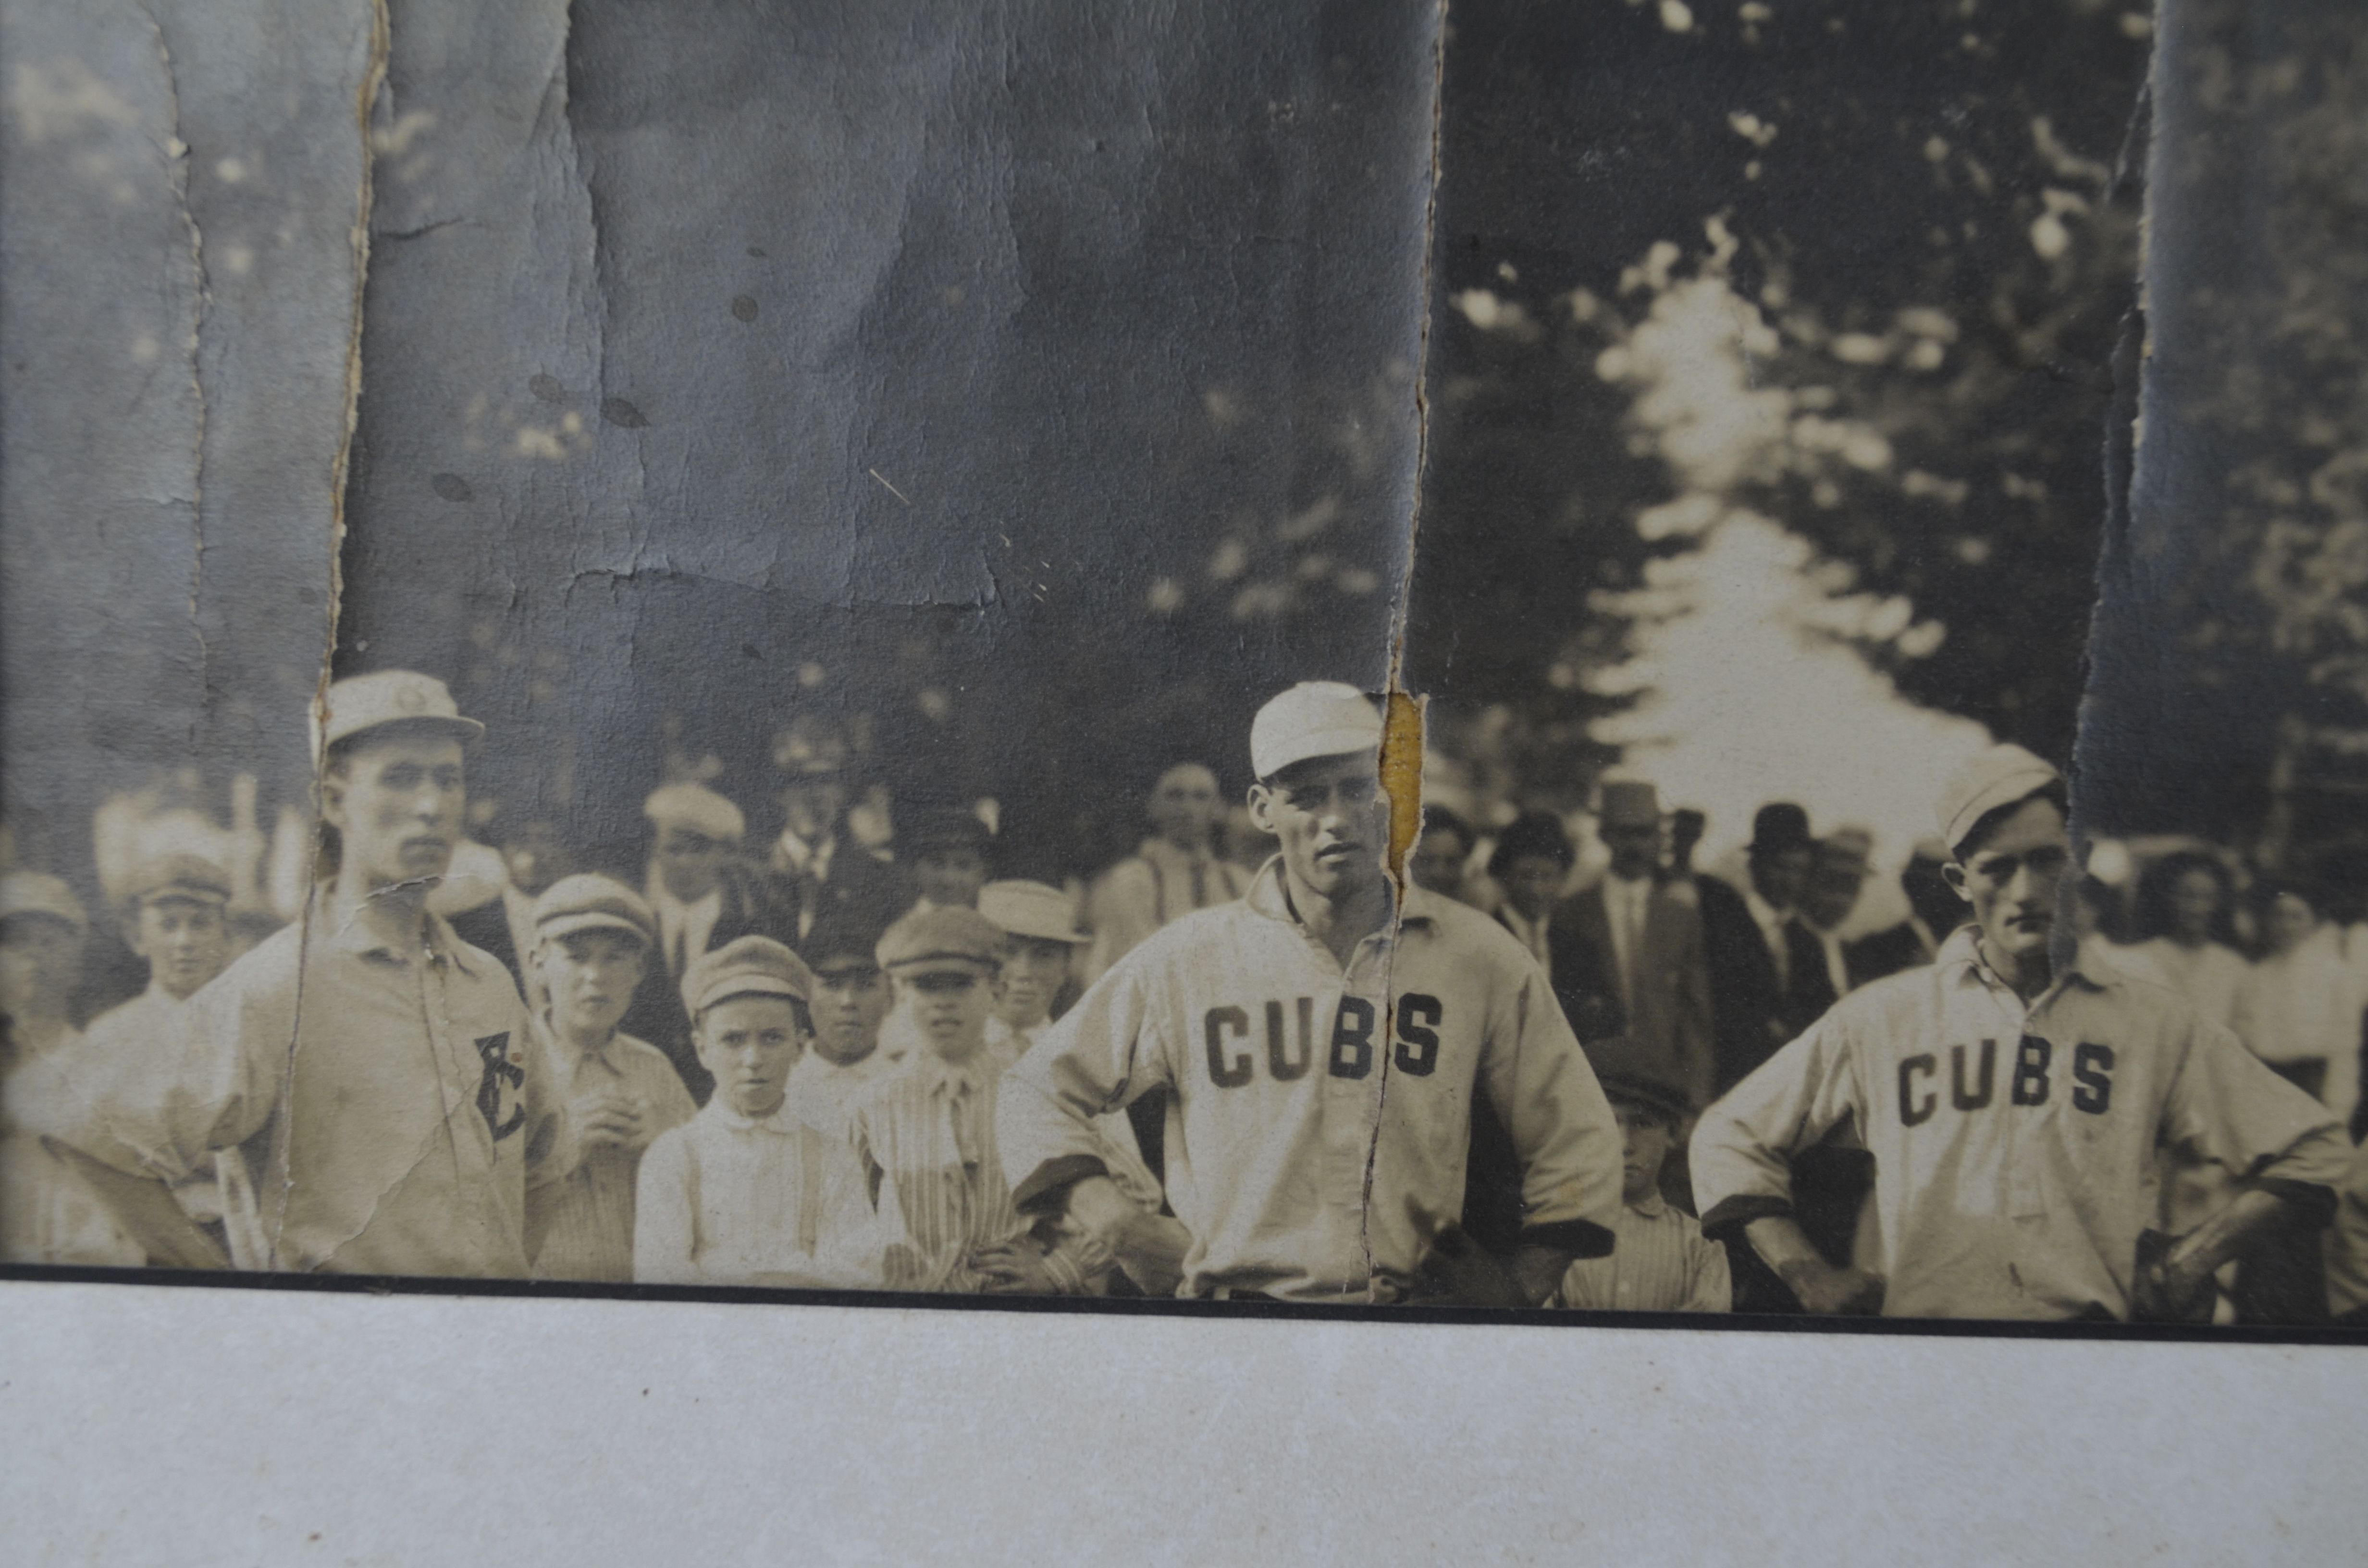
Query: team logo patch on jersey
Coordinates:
[500,1088]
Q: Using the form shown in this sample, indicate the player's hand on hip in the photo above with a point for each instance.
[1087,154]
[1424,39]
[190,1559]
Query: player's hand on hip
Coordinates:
[1458,1271]
[2169,1288]
[1828,1292]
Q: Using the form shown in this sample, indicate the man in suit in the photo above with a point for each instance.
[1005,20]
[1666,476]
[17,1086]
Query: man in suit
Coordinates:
[533,858]
[1744,946]
[1531,863]
[820,871]
[706,894]
[1821,973]
[1627,953]
[1933,911]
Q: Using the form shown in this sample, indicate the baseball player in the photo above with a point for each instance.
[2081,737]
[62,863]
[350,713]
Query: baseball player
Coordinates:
[2015,1108]
[386,1066]
[1278,1023]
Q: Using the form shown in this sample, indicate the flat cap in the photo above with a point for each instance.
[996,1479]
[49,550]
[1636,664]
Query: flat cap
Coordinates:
[1998,777]
[1852,847]
[1315,718]
[589,902]
[1032,909]
[941,938]
[747,966]
[698,808]
[178,874]
[37,892]
[388,697]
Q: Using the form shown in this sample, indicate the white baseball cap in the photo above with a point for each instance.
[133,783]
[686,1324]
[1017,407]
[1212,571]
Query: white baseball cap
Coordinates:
[698,808]
[387,697]
[1998,777]
[1315,718]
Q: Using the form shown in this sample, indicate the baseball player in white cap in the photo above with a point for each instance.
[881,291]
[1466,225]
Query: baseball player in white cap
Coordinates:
[2015,1106]
[387,1065]
[1277,1023]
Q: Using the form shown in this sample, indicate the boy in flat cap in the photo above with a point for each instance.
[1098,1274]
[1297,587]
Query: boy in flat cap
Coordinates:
[704,894]
[386,1067]
[178,922]
[925,1133]
[1324,1046]
[1662,1262]
[592,941]
[745,1193]
[46,1215]
[2016,1108]
[851,998]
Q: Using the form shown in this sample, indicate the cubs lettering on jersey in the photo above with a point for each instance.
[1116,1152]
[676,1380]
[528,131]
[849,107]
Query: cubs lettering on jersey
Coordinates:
[1294,1079]
[2012,1181]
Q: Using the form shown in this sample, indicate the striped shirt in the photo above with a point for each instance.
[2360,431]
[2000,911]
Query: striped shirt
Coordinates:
[1661,1262]
[727,1199]
[1142,893]
[581,1227]
[925,1137]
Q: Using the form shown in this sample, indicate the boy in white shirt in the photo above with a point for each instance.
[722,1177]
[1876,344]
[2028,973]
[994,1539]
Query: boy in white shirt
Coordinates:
[851,998]
[746,1192]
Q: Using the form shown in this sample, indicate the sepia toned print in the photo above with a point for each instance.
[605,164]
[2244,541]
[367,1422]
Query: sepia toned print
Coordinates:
[1330,659]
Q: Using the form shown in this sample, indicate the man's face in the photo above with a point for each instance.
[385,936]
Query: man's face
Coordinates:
[951,1007]
[689,863]
[1832,893]
[1185,808]
[1532,884]
[852,999]
[813,804]
[591,976]
[949,877]
[1645,1140]
[41,964]
[1438,859]
[2194,900]
[2010,879]
[1331,820]
[536,858]
[185,940]
[749,1044]
[395,802]
[1635,847]
[1033,970]
[2291,921]
[1780,875]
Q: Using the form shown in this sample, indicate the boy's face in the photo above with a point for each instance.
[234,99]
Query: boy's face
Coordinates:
[591,976]
[951,1007]
[185,940]
[40,963]
[1644,1141]
[749,1044]
[950,878]
[854,998]
[1033,970]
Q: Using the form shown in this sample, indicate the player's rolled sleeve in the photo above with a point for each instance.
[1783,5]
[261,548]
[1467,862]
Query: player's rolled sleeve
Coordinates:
[160,1108]
[2225,1105]
[1561,1127]
[1743,1147]
[1711,1286]
[1098,1057]
[665,1213]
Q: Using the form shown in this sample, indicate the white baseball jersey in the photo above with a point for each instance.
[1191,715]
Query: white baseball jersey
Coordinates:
[1295,1084]
[2015,1149]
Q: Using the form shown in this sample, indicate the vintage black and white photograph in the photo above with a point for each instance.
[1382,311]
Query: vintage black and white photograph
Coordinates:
[1633,662]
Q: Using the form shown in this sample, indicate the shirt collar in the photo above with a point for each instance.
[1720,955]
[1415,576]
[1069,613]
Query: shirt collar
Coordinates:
[1766,914]
[1269,897]
[1652,1205]
[1960,956]
[781,1122]
[361,938]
